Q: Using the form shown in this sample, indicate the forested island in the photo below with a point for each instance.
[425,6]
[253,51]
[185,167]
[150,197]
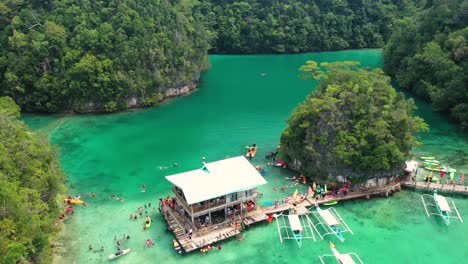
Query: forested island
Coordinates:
[88,56]
[354,123]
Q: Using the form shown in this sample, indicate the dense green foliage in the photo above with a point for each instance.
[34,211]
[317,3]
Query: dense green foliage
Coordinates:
[291,26]
[87,54]
[428,55]
[354,124]
[109,55]
[30,183]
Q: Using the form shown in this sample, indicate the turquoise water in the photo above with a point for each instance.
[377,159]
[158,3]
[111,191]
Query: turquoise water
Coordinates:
[235,106]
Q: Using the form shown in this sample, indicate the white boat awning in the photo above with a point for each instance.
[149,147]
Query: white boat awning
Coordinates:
[346,259]
[328,217]
[294,222]
[442,202]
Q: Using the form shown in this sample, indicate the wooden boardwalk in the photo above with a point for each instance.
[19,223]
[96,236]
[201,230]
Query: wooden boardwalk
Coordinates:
[214,233]
[454,188]
[356,194]
[200,238]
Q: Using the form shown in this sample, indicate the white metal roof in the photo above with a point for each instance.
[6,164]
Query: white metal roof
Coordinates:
[294,222]
[411,165]
[328,217]
[442,202]
[216,179]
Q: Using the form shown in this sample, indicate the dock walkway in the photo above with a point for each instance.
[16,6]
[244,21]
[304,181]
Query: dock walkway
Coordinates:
[214,233]
[355,194]
[448,187]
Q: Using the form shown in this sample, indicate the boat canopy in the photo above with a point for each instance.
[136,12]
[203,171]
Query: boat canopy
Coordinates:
[345,259]
[216,179]
[328,217]
[442,202]
[295,223]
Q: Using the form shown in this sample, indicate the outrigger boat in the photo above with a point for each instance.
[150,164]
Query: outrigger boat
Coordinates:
[119,253]
[342,258]
[443,208]
[331,223]
[299,224]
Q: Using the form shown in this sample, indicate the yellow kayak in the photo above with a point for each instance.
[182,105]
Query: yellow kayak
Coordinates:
[73,201]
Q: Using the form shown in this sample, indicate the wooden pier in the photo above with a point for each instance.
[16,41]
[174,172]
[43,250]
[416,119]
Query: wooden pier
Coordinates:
[354,194]
[440,187]
[201,238]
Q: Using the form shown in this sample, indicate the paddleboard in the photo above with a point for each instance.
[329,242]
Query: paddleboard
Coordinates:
[331,203]
[119,254]
[268,203]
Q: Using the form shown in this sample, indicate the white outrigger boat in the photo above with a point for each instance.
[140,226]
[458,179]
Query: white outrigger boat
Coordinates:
[331,223]
[444,209]
[119,253]
[342,258]
[297,227]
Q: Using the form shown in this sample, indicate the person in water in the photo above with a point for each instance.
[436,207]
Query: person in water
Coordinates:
[90,247]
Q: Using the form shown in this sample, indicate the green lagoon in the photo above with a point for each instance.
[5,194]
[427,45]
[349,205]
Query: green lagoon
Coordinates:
[235,106]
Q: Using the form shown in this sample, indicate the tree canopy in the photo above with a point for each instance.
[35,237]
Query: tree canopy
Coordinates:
[30,183]
[110,55]
[354,124]
[291,26]
[98,55]
[428,55]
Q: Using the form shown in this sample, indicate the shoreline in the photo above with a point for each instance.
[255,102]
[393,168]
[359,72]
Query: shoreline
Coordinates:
[133,103]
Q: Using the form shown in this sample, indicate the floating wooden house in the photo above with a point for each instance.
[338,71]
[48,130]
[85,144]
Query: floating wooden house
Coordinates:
[216,195]
[217,191]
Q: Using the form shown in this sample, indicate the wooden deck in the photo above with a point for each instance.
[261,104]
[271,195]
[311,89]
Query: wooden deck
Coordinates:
[200,238]
[215,233]
[356,194]
[453,188]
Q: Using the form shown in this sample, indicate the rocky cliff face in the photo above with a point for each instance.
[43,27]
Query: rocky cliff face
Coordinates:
[136,102]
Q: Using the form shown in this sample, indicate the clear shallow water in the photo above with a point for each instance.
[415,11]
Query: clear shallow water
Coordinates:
[235,106]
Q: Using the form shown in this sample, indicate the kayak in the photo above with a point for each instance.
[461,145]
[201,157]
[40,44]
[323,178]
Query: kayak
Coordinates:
[119,254]
[431,161]
[427,158]
[73,201]
[331,203]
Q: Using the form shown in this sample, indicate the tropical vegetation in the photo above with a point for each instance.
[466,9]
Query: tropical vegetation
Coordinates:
[291,26]
[30,184]
[111,55]
[428,55]
[354,124]
[98,55]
